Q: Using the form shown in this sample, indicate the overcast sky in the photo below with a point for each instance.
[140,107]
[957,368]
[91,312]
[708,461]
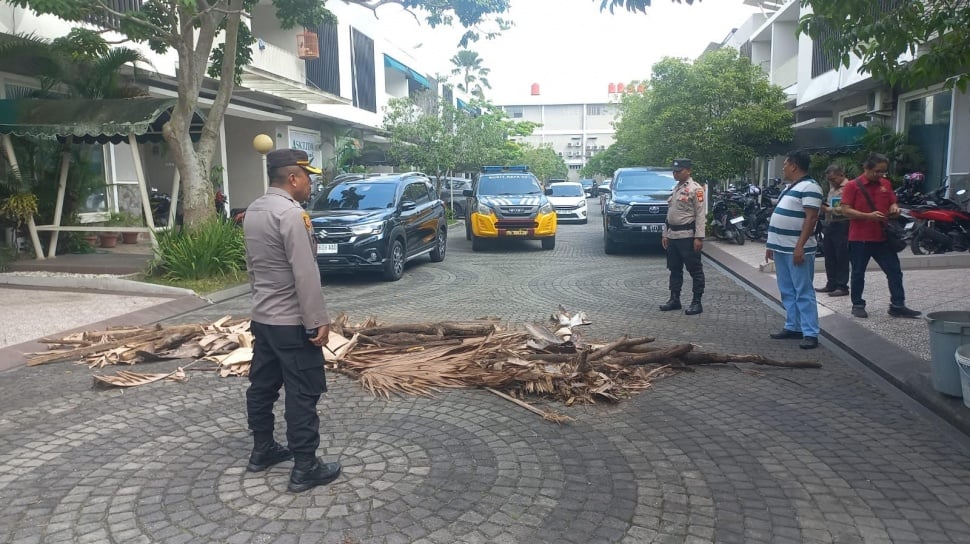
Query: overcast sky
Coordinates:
[571,49]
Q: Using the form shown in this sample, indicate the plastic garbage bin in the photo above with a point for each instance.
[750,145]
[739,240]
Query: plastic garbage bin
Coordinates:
[948,331]
[962,356]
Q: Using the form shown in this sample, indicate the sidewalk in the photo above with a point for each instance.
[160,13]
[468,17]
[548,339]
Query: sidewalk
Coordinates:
[896,349]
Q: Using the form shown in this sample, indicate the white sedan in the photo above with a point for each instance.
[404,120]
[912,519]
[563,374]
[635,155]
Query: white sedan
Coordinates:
[569,200]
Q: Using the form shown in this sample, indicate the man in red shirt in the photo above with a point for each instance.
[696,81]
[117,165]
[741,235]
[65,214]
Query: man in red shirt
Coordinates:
[867,238]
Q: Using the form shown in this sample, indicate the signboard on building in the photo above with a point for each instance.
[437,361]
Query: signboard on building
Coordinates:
[307,141]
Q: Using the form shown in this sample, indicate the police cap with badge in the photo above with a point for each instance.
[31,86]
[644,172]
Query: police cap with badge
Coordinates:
[290,157]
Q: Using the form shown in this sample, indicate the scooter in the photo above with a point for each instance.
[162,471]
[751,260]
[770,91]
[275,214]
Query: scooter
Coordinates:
[941,226]
[728,220]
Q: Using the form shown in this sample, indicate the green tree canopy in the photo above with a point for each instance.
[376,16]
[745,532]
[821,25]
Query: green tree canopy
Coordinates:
[720,111]
[473,75]
[544,162]
[210,38]
[886,35]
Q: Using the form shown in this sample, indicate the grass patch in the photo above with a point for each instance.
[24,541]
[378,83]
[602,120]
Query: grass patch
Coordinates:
[202,286]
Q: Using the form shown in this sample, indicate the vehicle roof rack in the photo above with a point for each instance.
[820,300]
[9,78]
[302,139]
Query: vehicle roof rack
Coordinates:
[494,169]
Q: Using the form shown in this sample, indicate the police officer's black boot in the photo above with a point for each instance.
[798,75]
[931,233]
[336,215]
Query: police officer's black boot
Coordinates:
[266,453]
[672,304]
[309,471]
[695,306]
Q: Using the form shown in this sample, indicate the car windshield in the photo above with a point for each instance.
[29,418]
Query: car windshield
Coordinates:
[586,182]
[645,181]
[356,196]
[508,185]
[566,189]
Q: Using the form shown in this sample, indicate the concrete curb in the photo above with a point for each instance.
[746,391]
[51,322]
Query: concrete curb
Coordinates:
[897,366]
[75,283]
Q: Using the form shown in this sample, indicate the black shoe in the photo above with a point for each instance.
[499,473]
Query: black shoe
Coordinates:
[319,473]
[825,289]
[694,308]
[265,456]
[785,334]
[859,311]
[902,311]
[809,342]
[672,304]
[839,293]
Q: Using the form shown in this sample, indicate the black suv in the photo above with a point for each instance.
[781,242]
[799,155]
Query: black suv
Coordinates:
[636,208]
[378,223]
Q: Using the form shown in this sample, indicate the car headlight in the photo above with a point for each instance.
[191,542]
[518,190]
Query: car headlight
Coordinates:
[483,209]
[546,208]
[367,228]
[615,207]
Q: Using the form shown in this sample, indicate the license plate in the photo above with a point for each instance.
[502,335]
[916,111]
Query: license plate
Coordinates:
[652,227]
[326,249]
[517,232]
[736,220]
[909,226]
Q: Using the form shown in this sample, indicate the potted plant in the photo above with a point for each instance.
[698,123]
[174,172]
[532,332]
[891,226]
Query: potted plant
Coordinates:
[109,239]
[129,219]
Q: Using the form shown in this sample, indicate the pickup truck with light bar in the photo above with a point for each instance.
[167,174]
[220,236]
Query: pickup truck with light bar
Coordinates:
[509,202]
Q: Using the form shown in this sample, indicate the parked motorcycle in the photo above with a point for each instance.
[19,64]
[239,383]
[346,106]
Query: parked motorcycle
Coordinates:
[941,225]
[728,218]
[160,204]
[757,213]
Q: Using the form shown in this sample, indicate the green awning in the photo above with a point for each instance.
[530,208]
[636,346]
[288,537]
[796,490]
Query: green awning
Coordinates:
[91,120]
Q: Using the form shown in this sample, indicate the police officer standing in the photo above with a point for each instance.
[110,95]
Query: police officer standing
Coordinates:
[683,238]
[289,322]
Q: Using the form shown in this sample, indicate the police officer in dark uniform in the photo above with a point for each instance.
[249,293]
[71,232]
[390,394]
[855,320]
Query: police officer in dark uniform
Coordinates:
[289,322]
[683,237]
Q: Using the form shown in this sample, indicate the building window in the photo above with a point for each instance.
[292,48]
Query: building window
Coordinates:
[363,72]
[106,20]
[515,112]
[596,109]
[324,72]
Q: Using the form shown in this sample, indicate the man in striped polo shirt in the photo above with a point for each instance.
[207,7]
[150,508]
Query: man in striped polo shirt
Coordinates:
[792,246]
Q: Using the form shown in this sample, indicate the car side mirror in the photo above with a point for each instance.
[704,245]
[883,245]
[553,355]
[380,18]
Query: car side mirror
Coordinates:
[408,205]
[548,192]
[603,190]
[467,192]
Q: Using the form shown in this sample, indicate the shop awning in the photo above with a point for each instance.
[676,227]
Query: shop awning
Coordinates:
[829,139]
[91,120]
[391,62]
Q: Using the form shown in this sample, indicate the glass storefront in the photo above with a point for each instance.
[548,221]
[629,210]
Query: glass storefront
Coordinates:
[926,123]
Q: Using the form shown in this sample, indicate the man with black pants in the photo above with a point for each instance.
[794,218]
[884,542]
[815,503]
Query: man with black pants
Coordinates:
[289,322]
[683,238]
[835,236]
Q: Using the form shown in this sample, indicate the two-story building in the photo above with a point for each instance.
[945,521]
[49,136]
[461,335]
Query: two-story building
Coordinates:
[833,104]
[313,103]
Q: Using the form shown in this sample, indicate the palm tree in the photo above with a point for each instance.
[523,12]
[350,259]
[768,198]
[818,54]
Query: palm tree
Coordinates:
[473,74]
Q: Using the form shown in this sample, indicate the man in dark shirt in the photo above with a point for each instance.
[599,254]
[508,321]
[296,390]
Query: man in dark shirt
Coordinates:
[867,238]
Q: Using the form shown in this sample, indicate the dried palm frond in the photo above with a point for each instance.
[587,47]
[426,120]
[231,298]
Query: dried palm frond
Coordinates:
[125,378]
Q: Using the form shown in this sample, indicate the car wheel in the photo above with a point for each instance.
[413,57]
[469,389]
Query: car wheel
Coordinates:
[477,243]
[549,243]
[440,245]
[394,267]
[609,246]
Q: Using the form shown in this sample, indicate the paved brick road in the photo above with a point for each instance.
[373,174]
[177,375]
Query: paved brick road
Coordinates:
[730,454]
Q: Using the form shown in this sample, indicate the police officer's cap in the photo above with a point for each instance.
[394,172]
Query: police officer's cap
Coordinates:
[681,163]
[290,157]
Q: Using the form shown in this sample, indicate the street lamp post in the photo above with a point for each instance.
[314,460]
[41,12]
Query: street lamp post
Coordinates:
[263,144]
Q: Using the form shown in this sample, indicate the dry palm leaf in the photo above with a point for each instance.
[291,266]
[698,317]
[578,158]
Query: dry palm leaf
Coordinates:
[125,378]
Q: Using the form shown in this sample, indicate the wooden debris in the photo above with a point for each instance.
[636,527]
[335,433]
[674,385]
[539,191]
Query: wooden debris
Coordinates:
[422,359]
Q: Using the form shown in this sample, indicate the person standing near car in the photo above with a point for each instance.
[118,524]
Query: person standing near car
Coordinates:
[867,240]
[792,246]
[683,238]
[835,236]
[289,322]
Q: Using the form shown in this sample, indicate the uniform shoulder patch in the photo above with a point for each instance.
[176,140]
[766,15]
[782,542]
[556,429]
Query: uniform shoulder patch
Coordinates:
[700,195]
[306,221]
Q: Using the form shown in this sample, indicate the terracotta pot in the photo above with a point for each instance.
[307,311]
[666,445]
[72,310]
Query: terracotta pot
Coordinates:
[129,237]
[91,239]
[108,240]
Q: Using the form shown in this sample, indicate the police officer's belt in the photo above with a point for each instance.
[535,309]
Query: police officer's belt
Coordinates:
[688,226]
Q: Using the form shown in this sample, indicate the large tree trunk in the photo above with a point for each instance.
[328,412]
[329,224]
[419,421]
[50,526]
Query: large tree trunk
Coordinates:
[194,161]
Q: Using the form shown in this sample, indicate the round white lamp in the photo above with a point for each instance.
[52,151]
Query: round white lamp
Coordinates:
[263,144]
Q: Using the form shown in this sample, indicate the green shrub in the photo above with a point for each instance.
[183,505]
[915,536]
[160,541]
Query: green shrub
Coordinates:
[7,256]
[213,249]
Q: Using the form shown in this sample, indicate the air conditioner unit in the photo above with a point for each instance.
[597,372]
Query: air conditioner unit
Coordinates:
[880,101]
